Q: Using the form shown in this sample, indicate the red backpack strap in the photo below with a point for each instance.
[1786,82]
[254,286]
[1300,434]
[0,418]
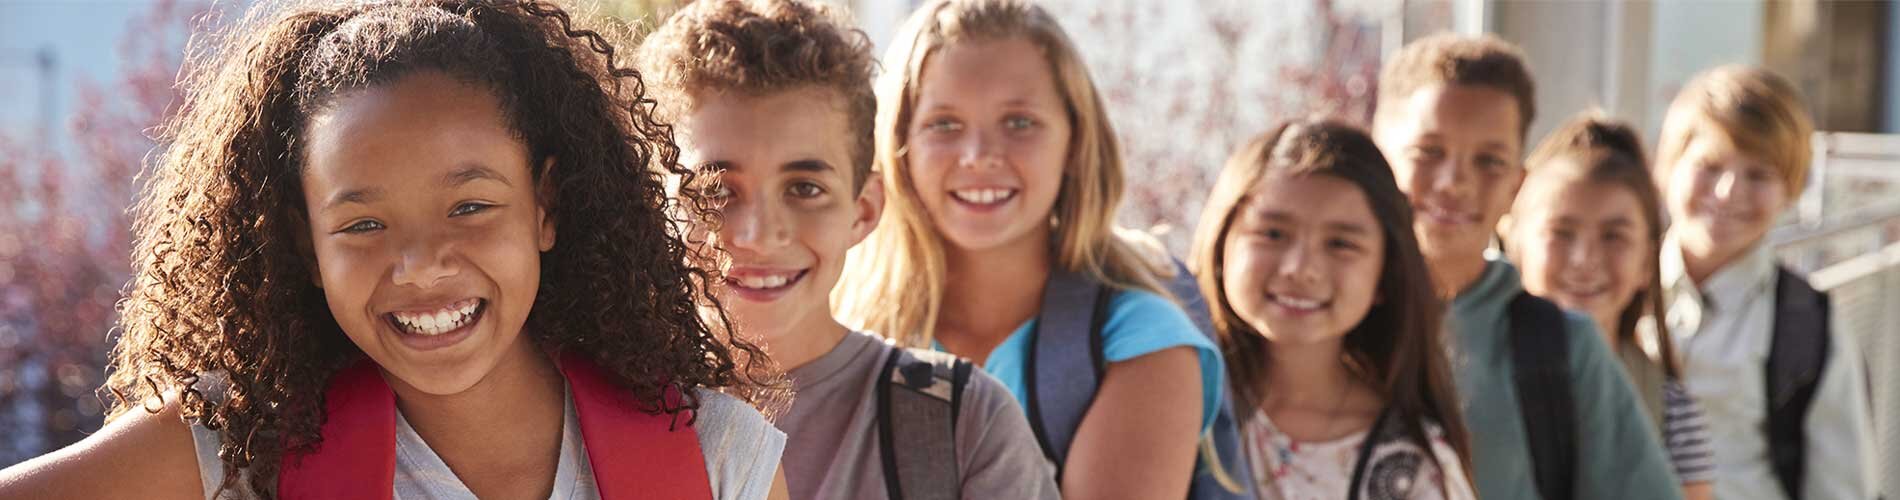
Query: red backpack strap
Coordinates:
[357,457]
[635,454]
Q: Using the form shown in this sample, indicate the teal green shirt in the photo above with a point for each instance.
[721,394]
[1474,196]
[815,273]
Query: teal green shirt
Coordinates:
[1618,454]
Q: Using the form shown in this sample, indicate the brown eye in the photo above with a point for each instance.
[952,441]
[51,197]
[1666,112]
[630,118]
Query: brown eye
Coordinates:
[469,208]
[362,226]
[805,190]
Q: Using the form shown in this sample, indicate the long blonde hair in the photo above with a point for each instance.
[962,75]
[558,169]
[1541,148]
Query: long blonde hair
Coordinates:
[896,284]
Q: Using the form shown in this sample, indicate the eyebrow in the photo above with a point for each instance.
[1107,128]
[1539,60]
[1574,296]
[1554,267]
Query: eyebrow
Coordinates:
[473,172]
[466,174]
[358,196]
[1338,227]
[808,165]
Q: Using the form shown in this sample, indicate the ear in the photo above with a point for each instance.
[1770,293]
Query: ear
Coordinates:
[544,201]
[870,207]
[1517,181]
[1507,223]
[306,251]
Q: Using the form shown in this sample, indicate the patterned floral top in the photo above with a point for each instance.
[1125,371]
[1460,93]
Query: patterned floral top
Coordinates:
[1286,469]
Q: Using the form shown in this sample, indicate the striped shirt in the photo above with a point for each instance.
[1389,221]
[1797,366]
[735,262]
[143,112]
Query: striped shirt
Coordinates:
[1686,434]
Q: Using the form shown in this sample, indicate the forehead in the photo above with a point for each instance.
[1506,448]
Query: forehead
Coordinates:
[1710,145]
[1461,113]
[1583,200]
[426,122]
[987,71]
[1314,198]
[765,130]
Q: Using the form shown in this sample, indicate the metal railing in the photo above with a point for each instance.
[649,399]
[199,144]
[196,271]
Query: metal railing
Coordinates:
[1846,238]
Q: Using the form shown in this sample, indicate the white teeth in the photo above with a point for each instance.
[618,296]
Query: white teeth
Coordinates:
[767,281]
[439,321]
[983,196]
[1297,303]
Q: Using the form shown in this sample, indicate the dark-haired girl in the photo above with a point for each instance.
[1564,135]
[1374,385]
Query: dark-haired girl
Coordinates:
[1326,316]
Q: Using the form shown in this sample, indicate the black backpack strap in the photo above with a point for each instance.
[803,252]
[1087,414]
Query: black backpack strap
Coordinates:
[1066,361]
[1796,357]
[1540,362]
[1384,430]
[919,399]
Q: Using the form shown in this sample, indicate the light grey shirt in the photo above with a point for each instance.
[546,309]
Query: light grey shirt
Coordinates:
[1723,330]
[833,451]
[741,450]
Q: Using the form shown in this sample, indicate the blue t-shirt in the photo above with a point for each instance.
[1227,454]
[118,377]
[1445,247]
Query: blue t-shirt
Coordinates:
[1138,323]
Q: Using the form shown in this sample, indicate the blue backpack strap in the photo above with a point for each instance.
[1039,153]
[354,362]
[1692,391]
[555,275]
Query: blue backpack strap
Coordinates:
[1796,357]
[1066,360]
[919,399]
[1540,362]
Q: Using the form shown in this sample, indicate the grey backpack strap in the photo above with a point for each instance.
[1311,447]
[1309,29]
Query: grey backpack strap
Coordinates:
[1066,361]
[1225,435]
[919,398]
[1796,356]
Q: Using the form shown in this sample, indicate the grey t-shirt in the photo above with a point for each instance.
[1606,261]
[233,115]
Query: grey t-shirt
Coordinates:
[832,448]
[741,451]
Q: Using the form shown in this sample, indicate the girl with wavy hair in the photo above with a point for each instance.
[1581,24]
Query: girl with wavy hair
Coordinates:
[420,249]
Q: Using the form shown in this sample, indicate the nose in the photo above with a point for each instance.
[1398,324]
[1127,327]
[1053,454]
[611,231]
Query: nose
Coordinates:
[426,260]
[755,226]
[981,149]
[1725,185]
[1299,263]
[1449,177]
[1583,254]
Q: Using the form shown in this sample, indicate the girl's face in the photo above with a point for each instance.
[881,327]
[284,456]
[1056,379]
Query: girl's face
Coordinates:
[1302,259]
[788,210]
[1586,246]
[988,142]
[426,228]
[1722,201]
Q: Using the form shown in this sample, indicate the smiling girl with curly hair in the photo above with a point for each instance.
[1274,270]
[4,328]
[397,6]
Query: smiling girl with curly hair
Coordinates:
[348,279]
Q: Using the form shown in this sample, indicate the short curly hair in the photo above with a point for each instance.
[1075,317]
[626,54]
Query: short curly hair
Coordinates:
[1453,59]
[757,47]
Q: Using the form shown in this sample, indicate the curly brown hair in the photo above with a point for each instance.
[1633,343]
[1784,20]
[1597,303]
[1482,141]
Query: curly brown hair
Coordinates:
[756,47]
[220,283]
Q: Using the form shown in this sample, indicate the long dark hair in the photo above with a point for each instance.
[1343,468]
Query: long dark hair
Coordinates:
[1598,150]
[220,285]
[1399,345]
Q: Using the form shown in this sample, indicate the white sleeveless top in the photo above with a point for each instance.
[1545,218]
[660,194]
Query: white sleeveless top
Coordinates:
[741,449]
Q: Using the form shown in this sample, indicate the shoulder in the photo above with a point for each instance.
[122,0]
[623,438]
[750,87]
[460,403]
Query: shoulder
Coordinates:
[1141,322]
[740,446]
[141,454]
[724,420]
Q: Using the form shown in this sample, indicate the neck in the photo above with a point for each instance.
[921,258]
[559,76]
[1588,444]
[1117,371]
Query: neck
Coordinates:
[798,345]
[523,393]
[1702,261]
[989,293]
[1306,376]
[1452,275]
[1609,324]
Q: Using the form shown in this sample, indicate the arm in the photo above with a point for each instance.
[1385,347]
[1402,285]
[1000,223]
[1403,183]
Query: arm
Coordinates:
[1139,438]
[1699,490]
[995,448]
[1839,434]
[139,455]
[1618,453]
[779,490]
